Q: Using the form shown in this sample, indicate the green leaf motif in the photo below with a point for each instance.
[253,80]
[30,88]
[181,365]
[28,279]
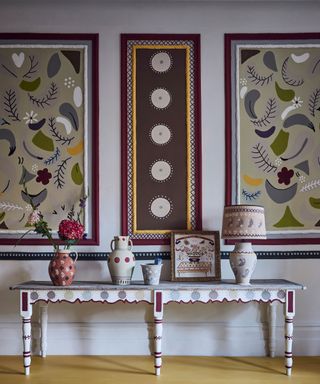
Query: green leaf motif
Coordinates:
[280,143]
[315,203]
[2,216]
[288,220]
[284,94]
[76,174]
[30,86]
[43,142]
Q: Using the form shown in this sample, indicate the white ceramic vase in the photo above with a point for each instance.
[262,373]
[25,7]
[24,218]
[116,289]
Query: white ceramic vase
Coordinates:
[243,262]
[121,261]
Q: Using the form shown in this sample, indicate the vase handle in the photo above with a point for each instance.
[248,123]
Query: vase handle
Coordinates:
[76,258]
[111,244]
[130,245]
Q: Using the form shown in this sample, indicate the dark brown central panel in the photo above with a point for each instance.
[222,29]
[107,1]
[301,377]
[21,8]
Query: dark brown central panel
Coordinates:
[161,139]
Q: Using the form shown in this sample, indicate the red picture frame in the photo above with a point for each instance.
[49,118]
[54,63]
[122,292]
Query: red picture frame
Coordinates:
[231,42]
[91,44]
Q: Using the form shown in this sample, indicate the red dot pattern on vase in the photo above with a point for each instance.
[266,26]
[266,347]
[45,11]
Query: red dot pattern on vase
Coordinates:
[116,259]
[127,259]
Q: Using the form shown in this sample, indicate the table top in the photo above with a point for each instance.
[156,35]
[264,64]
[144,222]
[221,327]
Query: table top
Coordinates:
[163,286]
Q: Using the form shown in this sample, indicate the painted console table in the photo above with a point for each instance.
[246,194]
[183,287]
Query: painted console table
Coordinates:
[262,291]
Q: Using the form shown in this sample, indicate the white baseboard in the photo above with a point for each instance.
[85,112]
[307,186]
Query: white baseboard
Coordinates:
[192,338]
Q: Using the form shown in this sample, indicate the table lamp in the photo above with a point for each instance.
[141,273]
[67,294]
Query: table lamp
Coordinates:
[243,223]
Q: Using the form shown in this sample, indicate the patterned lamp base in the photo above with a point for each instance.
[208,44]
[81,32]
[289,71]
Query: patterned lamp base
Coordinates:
[243,262]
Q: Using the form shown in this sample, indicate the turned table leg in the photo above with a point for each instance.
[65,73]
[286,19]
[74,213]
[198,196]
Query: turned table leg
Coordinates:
[43,329]
[289,312]
[272,318]
[26,313]
[158,316]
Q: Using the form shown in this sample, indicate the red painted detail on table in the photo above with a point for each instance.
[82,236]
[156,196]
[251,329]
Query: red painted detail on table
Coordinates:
[24,301]
[159,302]
[290,302]
[225,300]
[102,301]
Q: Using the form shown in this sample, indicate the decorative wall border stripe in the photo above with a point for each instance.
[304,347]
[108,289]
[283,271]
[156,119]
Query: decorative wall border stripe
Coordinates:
[151,255]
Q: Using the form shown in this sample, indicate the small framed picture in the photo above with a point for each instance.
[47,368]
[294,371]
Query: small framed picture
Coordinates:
[195,256]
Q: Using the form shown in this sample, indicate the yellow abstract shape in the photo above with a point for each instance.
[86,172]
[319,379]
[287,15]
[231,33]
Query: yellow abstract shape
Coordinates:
[252,181]
[76,149]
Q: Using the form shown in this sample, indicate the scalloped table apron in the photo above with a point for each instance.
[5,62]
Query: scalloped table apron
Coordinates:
[270,292]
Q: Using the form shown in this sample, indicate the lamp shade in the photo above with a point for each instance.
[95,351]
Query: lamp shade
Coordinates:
[243,222]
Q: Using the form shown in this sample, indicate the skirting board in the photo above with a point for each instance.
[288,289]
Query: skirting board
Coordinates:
[204,339]
[151,255]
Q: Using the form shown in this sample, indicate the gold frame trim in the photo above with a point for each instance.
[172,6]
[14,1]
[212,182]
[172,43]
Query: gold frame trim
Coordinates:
[134,136]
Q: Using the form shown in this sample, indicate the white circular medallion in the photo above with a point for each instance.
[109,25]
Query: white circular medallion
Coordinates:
[160,207]
[160,98]
[160,134]
[160,170]
[161,62]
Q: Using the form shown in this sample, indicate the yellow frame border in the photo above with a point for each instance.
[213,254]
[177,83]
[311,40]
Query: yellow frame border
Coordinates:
[134,135]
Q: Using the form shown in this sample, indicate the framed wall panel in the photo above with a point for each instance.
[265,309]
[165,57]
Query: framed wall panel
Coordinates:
[195,256]
[161,170]
[48,131]
[272,131]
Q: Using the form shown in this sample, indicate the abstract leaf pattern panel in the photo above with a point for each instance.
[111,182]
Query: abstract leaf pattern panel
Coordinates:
[276,132]
[161,133]
[43,130]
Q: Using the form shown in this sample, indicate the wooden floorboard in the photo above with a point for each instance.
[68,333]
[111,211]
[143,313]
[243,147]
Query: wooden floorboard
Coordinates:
[175,370]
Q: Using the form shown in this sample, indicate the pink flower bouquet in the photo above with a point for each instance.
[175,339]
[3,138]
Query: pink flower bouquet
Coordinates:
[70,231]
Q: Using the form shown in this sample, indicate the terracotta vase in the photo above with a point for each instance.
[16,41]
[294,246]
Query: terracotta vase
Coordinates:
[62,268]
[121,261]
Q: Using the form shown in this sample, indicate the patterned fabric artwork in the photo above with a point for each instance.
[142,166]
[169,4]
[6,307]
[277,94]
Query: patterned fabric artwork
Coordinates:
[160,80]
[275,132]
[44,117]
[195,256]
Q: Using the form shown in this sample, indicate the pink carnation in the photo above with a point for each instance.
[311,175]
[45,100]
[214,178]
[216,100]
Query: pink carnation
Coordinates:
[34,217]
[70,230]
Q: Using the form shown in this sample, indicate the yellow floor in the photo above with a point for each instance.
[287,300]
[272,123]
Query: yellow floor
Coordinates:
[177,369]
